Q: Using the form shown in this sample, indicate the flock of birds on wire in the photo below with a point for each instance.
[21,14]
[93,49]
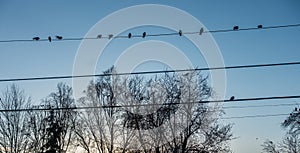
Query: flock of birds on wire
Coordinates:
[110,36]
[235,28]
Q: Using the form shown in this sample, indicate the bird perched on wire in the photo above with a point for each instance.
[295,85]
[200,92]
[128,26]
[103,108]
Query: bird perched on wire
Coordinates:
[259,26]
[59,37]
[110,36]
[49,38]
[201,31]
[144,34]
[180,32]
[36,38]
[236,28]
[129,35]
[99,36]
[231,98]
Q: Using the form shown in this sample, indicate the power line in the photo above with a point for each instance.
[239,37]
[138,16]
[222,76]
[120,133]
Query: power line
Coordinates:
[151,72]
[259,106]
[254,116]
[147,105]
[111,36]
[254,28]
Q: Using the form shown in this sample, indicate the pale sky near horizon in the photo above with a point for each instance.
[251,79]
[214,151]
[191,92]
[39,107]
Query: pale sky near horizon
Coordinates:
[27,19]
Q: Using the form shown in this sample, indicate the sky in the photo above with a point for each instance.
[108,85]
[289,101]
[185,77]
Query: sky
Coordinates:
[27,19]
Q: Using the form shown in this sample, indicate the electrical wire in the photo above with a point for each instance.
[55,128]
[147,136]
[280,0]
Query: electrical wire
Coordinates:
[254,116]
[259,106]
[253,28]
[155,35]
[151,72]
[147,105]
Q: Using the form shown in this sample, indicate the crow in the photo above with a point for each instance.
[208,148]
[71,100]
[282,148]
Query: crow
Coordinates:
[49,38]
[129,35]
[231,98]
[99,36]
[236,28]
[144,34]
[110,36]
[59,37]
[201,31]
[180,33]
[259,26]
[36,38]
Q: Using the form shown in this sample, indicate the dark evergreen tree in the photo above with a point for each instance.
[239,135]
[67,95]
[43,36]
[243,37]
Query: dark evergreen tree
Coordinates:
[52,135]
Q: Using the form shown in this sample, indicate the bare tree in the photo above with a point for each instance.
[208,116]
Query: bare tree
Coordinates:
[293,121]
[91,136]
[13,123]
[106,88]
[83,137]
[61,122]
[270,147]
[191,125]
[200,130]
[291,142]
[37,127]
[89,131]
[102,124]
[162,114]
[215,139]
[52,130]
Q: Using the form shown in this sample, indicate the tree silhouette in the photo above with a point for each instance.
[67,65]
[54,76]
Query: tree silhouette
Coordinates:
[101,124]
[160,114]
[13,124]
[52,135]
[52,131]
[155,120]
[291,141]
[293,121]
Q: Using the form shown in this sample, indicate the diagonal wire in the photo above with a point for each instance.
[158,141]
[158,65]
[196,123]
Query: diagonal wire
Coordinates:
[159,34]
[254,116]
[151,72]
[147,105]
[259,106]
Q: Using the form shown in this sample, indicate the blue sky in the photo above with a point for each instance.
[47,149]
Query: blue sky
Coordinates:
[26,19]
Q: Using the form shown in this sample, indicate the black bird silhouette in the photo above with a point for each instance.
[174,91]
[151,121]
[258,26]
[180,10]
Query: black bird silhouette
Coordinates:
[110,36]
[129,35]
[236,28]
[59,37]
[99,36]
[36,38]
[296,109]
[231,98]
[49,38]
[201,31]
[180,33]
[259,26]
[144,34]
